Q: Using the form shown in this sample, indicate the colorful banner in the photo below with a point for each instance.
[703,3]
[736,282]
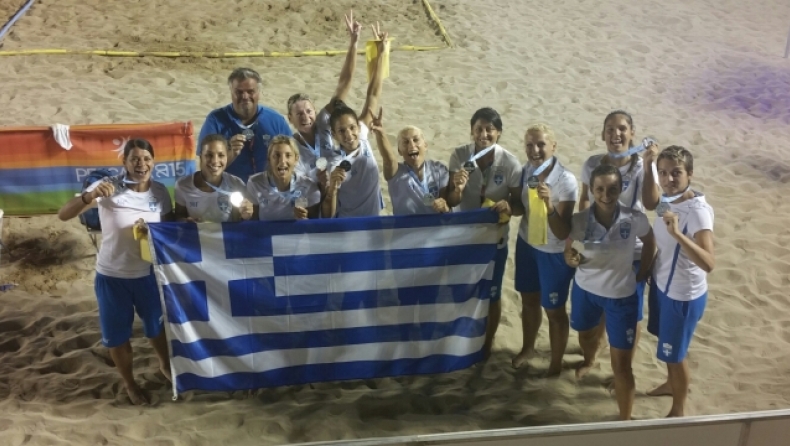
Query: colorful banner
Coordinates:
[37,175]
[261,304]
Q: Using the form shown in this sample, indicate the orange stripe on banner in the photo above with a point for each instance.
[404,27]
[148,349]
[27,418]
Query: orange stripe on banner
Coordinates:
[93,145]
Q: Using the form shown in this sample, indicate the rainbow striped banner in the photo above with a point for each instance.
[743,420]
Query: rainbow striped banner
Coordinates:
[37,175]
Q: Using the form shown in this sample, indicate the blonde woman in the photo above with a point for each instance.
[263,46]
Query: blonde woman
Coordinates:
[281,193]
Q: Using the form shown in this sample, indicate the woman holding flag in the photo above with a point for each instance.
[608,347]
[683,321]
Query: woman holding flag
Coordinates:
[482,173]
[548,193]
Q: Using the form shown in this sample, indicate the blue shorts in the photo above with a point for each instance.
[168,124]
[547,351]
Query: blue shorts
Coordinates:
[545,272]
[673,322]
[621,316]
[499,271]
[118,299]
[640,290]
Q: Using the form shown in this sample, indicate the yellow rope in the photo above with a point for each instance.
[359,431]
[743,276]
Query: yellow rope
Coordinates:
[218,55]
[438,23]
[203,54]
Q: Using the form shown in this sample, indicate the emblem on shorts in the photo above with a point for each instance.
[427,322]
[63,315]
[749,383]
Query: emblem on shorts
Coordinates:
[492,294]
[223,202]
[629,335]
[554,297]
[625,230]
[667,349]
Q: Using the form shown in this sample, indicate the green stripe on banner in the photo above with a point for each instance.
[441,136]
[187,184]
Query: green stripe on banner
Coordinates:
[38,203]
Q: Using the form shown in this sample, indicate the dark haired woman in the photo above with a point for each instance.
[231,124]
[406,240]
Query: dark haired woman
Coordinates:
[483,170]
[354,189]
[124,282]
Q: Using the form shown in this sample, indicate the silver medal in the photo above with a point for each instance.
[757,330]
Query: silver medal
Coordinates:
[533,182]
[248,134]
[662,208]
[301,202]
[321,163]
[427,199]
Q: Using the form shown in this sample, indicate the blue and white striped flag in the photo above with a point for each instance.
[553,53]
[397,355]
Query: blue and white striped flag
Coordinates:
[262,304]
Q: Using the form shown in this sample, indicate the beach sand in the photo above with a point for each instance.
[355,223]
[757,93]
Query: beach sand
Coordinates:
[704,74]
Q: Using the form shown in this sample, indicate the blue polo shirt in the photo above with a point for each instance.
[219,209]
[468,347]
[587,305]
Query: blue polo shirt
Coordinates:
[268,123]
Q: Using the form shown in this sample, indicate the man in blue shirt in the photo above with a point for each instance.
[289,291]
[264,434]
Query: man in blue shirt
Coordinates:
[248,126]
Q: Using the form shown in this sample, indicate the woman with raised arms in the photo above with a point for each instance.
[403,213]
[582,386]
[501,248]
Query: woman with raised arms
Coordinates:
[312,132]
[353,189]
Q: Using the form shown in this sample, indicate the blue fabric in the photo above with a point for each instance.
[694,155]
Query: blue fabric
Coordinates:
[268,124]
[545,272]
[119,299]
[674,322]
[621,316]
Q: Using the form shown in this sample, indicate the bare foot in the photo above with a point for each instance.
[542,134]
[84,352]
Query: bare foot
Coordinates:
[136,395]
[554,371]
[166,371]
[583,369]
[522,358]
[662,390]
[674,414]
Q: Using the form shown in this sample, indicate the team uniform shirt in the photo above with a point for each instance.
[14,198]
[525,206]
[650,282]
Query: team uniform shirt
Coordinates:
[503,174]
[211,206]
[119,254]
[563,186]
[324,146]
[407,192]
[274,204]
[253,157]
[633,181]
[606,269]
[360,192]
[675,274]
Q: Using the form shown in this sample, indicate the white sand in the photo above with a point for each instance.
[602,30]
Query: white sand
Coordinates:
[704,74]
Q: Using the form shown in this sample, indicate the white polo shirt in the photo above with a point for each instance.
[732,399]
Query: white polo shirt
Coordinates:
[211,206]
[324,144]
[276,205]
[406,192]
[563,186]
[675,274]
[606,268]
[504,173]
[360,193]
[119,253]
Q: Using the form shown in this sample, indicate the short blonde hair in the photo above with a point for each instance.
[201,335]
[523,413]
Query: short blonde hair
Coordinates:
[410,128]
[541,128]
[281,139]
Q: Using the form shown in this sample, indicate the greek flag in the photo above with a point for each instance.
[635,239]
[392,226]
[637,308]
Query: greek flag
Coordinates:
[262,304]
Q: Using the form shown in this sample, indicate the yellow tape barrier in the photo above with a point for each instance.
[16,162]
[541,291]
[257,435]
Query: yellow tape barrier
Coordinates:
[221,55]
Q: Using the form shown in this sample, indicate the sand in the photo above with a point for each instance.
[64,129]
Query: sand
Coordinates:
[704,74]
